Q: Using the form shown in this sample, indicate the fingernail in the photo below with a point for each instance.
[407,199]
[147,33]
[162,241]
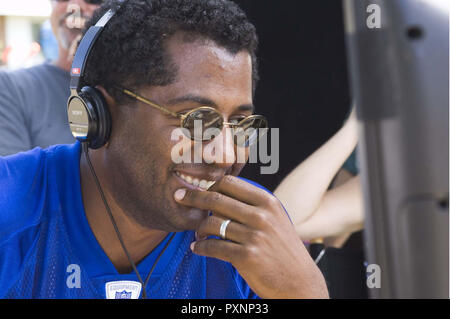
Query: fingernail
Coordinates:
[179,194]
[193,245]
[211,185]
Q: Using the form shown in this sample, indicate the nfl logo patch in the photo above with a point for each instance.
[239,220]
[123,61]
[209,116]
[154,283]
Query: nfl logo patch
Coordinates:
[123,295]
[123,289]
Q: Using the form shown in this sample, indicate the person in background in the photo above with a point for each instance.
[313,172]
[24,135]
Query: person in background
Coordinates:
[317,210]
[324,199]
[33,101]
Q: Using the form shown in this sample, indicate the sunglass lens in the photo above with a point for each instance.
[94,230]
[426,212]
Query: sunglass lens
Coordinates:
[250,130]
[199,121]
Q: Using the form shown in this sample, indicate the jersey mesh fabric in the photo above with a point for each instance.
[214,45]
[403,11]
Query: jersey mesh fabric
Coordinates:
[187,276]
[38,250]
[43,273]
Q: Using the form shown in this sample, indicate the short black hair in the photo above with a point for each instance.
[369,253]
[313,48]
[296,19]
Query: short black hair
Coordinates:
[130,51]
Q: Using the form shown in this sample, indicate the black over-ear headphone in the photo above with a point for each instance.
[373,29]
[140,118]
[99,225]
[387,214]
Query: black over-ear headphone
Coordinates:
[89,117]
[90,123]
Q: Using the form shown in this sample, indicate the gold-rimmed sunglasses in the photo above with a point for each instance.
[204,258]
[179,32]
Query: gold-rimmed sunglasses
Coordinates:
[246,131]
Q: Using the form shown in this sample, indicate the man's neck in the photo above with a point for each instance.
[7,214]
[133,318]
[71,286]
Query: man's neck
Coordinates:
[138,240]
[63,61]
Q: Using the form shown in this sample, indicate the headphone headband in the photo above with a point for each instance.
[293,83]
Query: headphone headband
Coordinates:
[88,113]
[84,49]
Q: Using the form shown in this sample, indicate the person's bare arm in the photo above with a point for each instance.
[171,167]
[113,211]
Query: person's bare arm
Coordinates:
[303,190]
[340,212]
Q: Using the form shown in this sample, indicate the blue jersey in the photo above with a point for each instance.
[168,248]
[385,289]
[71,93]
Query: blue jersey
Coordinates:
[48,250]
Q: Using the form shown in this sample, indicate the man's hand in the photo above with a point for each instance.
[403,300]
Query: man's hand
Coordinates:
[261,243]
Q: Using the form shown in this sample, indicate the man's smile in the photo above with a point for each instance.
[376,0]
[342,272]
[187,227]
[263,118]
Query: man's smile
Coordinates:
[195,182]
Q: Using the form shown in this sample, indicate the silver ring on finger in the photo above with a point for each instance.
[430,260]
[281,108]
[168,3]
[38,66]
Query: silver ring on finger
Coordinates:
[223,228]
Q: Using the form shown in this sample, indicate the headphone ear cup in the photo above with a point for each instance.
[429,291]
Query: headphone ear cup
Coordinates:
[101,130]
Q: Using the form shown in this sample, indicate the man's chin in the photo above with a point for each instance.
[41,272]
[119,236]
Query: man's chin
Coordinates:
[188,219]
[184,219]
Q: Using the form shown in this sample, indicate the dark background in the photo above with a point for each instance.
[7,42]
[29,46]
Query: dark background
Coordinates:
[303,89]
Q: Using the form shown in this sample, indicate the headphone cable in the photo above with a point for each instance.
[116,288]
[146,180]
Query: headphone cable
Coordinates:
[85,148]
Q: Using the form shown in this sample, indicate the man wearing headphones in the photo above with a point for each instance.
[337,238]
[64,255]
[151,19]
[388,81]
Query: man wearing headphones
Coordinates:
[115,215]
[33,100]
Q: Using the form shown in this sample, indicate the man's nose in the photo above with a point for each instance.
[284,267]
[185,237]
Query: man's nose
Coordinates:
[220,150]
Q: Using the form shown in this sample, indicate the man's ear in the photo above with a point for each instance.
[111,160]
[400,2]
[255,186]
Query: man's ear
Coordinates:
[109,99]
[111,105]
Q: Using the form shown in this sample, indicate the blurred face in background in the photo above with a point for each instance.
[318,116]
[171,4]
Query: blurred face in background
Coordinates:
[68,19]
